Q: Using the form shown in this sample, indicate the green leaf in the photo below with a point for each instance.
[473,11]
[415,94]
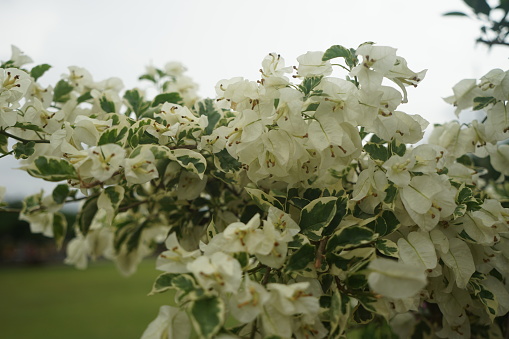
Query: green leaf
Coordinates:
[384,224]
[163,283]
[39,70]
[113,135]
[349,237]
[190,160]
[454,14]
[226,162]
[107,105]
[28,126]
[392,192]
[387,247]
[51,169]
[206,107]
[336,51]
[136,102]
[308,85]
[339,313]
[23,150]
[59,229]
[341,212]
[84,97]
[362,316]
[398,149]
[262,199]
[172,97]
[301,258]
[4,143]
[482,102]
[479,6]
[317,215]
[148,77]
[61,91]
[60,193]
[377,151]
[207,316]
[86,214]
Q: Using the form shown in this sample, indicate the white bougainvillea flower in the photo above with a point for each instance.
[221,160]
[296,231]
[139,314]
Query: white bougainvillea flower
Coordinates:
[38,115]
[455,139]
[218,271]
[377,62]
[370,188]
[492,79]
[248,302]
[311,64]
[395,280]
[499,158]
[286,301]
[460,260]
[18,57]
[427,199]
[79,77]
[428,158]
[190,185]
[464,93]
[240,237]
[273,65]
[140,167]
[14,84]
[283,223]
[171,322]
[174,68]
[88,130]
[176,258]
[398,169]
[78,251]
[293,298]
[38,211]
[240,93]
[403,127]
[418,250]
[308,330]
[101,162]
[497,122]
[273,250]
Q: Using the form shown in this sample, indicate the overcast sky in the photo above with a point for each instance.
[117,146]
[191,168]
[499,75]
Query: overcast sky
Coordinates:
[221,39]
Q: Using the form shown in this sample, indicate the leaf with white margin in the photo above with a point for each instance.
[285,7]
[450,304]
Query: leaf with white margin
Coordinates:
[500,292]
[171,322]
[207,315]
[418,250]
[460,260]
[394,279]
[190,160]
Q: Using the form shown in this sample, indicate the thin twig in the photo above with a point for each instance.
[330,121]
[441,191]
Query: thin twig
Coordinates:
[25,141]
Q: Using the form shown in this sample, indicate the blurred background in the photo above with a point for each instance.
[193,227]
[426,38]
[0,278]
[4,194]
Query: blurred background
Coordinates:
[215,40]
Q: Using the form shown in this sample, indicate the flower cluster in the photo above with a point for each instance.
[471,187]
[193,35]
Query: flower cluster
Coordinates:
[293,206]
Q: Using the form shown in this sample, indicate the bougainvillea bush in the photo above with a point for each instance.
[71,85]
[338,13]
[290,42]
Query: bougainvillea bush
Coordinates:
[294,206]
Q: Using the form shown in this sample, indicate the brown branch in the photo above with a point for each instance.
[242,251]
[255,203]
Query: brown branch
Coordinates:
[134,204]
[319,252]
[25,141]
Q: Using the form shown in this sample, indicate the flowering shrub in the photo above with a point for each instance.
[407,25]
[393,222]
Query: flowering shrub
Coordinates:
[290,207]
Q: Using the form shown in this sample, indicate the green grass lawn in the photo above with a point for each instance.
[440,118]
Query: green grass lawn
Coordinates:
[62,302]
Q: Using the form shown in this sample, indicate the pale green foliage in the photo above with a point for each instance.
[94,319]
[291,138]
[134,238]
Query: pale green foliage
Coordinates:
[289,208]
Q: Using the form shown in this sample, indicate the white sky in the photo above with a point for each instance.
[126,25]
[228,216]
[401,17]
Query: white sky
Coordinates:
[218,39]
